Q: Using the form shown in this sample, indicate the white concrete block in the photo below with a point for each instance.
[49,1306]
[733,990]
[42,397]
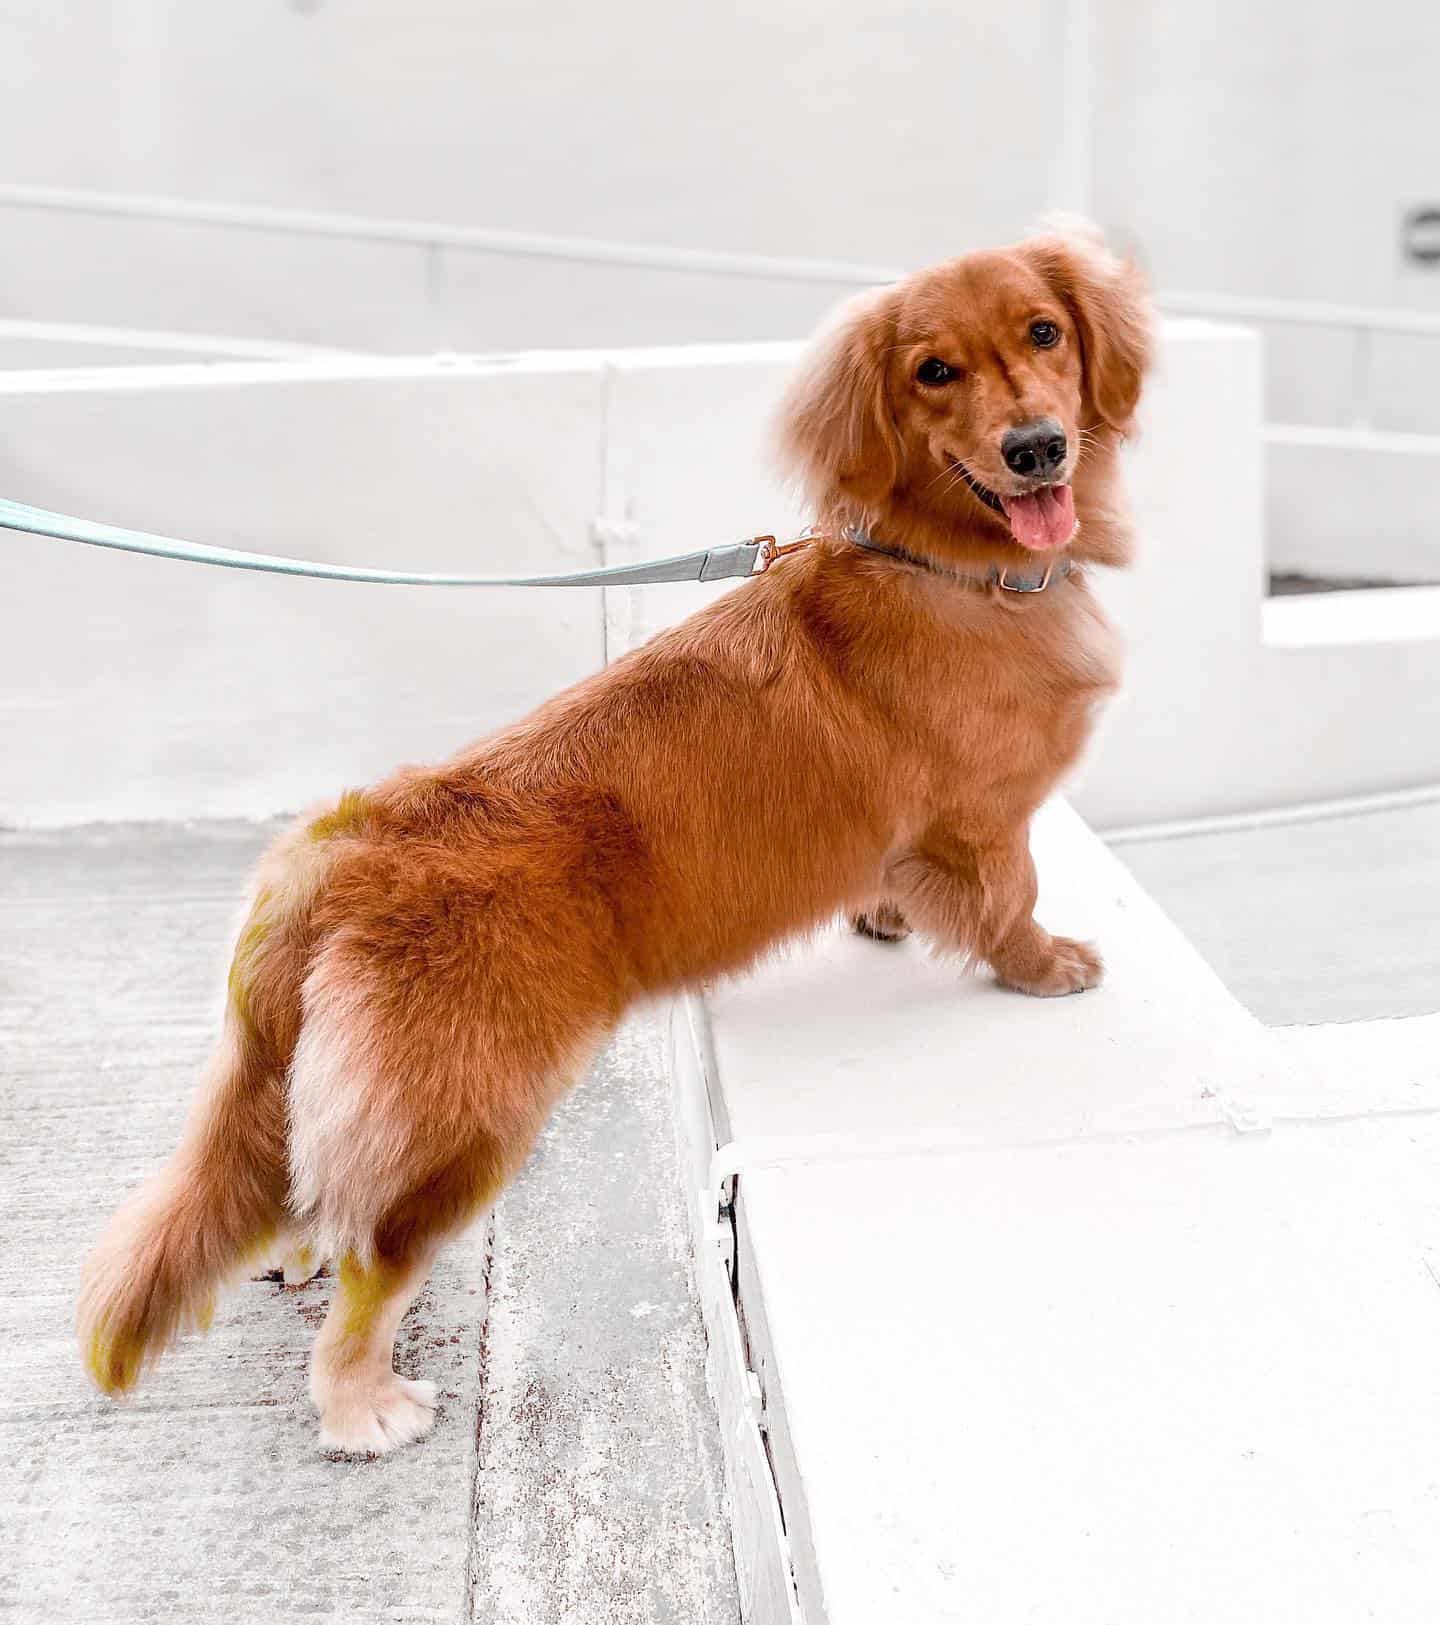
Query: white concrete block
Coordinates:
[1176,1379]
[1356,515]
[141,688]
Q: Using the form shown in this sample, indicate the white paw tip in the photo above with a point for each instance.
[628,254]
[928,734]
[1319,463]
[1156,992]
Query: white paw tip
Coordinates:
[300,1266]
[372,1422]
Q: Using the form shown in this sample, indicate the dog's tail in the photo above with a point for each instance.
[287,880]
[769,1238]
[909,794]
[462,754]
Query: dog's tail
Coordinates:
[156,1270]
[222,1196]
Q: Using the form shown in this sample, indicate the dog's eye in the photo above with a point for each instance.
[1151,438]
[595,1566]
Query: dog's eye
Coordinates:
[934,371]
[1044,334]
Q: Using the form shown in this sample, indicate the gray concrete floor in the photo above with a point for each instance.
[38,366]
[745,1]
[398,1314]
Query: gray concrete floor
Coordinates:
[573,1473]
[1337,919]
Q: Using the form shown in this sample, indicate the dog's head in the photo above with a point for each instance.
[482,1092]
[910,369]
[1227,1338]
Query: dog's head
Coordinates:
[970,395]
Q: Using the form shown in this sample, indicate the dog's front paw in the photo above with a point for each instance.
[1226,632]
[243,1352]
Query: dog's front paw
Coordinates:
[883,923]
[1072,968]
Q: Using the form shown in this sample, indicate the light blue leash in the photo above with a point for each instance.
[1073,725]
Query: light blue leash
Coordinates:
[710,564]
[730,560]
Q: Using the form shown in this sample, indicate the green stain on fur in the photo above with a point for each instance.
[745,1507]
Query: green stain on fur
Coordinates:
[347,817]
[242,965]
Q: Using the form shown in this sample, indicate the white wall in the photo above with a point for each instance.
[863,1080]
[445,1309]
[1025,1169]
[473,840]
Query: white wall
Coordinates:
[1250,149]
[1272,149]
[758,126]
[792,130]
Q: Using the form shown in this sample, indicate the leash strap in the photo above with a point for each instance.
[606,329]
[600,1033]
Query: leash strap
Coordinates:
[711,564]
[729,561]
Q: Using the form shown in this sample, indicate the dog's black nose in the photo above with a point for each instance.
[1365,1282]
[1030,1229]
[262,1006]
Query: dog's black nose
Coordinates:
[1035,448]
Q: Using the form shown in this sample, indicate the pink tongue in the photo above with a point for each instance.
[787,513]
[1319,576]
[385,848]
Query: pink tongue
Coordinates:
[1043,520]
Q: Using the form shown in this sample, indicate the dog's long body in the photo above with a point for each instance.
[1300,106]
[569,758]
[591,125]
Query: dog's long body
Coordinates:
[430,962]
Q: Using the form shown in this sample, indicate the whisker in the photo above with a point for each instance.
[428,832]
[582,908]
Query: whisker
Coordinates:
[957,475]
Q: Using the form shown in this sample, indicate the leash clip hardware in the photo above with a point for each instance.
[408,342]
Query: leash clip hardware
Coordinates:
[770,549]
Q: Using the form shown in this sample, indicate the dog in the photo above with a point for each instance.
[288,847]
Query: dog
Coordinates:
[428,963]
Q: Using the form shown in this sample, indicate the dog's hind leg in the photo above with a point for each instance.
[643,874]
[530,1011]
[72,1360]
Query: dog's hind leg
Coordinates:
[365,1406]
[414,1094]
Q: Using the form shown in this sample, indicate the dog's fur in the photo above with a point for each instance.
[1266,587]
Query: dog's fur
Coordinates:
[429,963]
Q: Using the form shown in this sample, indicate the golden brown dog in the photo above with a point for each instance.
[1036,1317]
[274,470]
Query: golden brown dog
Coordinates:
[429,963]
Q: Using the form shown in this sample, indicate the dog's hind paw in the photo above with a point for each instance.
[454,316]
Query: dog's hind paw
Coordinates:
[300,1265]
[372,1419]
[294,1267]
[883,923]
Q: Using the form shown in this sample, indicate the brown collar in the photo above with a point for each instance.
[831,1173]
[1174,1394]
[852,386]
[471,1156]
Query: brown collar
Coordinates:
[1004,577]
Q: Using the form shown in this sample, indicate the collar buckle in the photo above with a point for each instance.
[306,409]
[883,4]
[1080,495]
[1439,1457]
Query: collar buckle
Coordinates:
[1024,583]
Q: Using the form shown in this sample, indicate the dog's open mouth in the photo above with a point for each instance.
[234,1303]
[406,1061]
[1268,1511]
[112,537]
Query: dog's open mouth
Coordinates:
[1041,520]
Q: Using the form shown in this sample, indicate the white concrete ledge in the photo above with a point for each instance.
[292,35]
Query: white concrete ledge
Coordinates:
[1097,1309]
[1341,619]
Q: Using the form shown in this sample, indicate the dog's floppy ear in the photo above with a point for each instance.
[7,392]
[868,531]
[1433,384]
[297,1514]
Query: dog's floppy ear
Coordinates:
[1110,303]
[836,428]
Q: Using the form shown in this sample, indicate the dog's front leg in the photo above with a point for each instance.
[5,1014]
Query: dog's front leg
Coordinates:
[979,899]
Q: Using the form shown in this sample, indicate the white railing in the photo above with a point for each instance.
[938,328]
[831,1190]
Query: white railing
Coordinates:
[1303,312]
[216,345]
[440,238]
[1323,437]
